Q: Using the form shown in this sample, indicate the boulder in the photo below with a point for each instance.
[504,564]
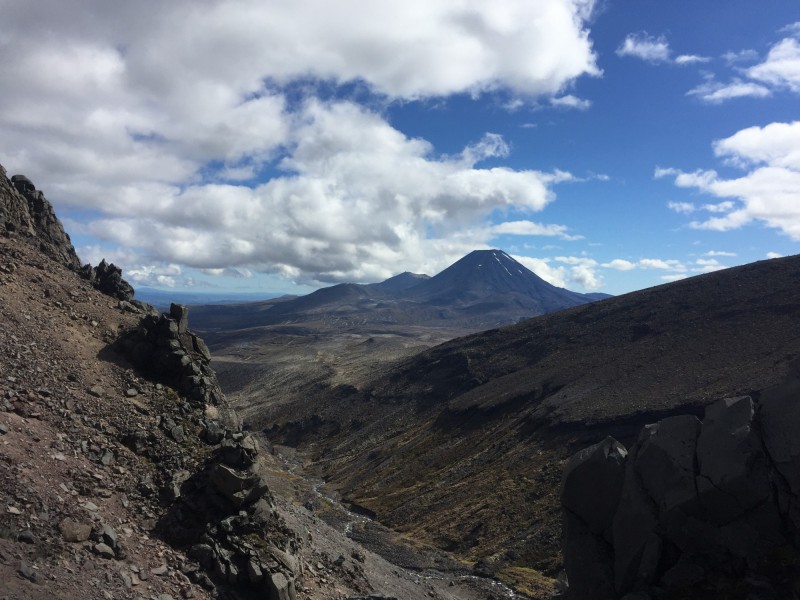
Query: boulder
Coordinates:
[239,487]
[280,587]
[592,482]
[590,492]
[780,421]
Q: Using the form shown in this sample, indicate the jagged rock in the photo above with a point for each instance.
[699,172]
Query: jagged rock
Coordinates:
[239,454]
[180,313]
[103,550]
[780,422]
[592,482]
[108,279]
[213,433]
[699,501]
[665,461]
[281,588]
[590,492]
[239,487]
[24,209]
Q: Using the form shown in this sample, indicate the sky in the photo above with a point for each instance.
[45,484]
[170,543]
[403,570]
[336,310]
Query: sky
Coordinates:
[279,146]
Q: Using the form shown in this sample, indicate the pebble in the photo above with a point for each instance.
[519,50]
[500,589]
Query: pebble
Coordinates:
[27,571]
[162,570]
[26,537]
[91,506]
[3,429]
[75,531]
[131,392]
[13,510]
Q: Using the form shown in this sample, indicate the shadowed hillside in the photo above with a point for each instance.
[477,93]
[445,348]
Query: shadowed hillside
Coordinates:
[463,444]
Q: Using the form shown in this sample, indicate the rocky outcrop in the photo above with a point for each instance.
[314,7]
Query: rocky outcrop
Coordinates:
[693,508]
[221,514]
[165,349]
[25,210]
[108,279]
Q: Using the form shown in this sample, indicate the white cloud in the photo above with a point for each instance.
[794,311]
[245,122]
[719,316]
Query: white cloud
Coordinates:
[154,275]
[683,208]
[720,207]
[774,255]
[719,253]
[531,228]
[582,271]
[691,59]
[767,193]
[675,277]
[620,264]
[646,47]
[233,272]
[707,265]
[358,200]
[661,264]
[748,55]
[792,28]
[586,276]
[570,101]
[135,111]
[554,275]
[776,144]
[715,92]
[781,69]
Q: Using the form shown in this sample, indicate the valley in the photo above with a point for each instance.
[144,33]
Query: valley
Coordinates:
[461,445]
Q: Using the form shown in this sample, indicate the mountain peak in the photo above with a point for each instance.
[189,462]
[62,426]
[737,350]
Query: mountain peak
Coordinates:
[492,276]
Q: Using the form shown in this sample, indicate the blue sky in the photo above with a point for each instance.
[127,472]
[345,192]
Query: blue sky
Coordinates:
[255,145]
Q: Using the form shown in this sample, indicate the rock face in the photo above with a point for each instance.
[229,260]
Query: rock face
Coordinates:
[694,508]
[25,210]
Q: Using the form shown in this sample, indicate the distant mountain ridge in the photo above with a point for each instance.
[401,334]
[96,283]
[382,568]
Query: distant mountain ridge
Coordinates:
[484,289]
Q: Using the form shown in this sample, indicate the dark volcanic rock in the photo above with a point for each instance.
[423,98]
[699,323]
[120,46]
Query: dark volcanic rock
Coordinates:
[108,279]
[25,210]
[700,502]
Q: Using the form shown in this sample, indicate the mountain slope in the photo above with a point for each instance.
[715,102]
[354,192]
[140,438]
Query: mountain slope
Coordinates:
[486,288]
[463,444]
[492,276]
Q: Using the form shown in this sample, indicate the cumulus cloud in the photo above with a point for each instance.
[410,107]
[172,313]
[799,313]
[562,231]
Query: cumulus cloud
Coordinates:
[553,274]
[357,198]
[133,111]
[645,47]
[620,264]
[767,193]
[780,70]
[774,255]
